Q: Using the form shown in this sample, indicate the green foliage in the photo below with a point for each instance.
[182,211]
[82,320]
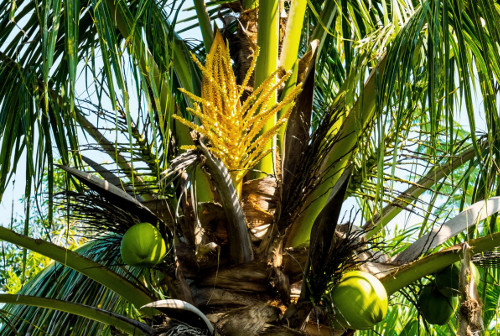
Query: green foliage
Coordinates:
[19,266]
[391,80]
[489,292]
[59,282]
[12,275]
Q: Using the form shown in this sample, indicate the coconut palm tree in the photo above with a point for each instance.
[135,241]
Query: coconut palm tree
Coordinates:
[273,157]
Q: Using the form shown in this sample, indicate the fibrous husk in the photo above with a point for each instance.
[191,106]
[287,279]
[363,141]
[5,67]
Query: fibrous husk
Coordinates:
[218,299]
[213,221]
[294,262]
[181,329]
[273,330]
[259,199]
[245,43]
[247,321]
[252,276]
[317,324]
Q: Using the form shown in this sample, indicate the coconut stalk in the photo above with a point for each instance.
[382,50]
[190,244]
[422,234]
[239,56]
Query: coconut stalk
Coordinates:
[122,323]
[110,177]
[300,118]
[465,220]
[323,237]
[470,320]
[179,305]
[290,84]
[289,51]
[267,41]
[204,20]
[239,240]
[112,193]
[203,190]
[398,277]
[108,147]
[293,32]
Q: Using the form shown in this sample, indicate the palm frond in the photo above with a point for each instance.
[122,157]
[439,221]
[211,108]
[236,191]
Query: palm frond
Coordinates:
[60,282]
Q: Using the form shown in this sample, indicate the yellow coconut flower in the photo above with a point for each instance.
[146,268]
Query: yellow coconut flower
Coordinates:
[232,127]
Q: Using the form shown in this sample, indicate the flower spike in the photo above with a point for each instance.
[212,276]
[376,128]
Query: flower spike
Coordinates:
[234,128]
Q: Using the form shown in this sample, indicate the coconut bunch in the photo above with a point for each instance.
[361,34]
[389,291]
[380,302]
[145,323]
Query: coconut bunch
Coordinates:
[356,299]
[438,300]
[138,243]
[142,238]
[359,300]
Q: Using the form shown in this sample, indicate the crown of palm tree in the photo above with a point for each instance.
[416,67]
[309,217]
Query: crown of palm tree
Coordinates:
[235,128]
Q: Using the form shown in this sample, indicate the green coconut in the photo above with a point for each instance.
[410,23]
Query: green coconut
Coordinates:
[360,300]
[143,245]
[435,307]
[447,280]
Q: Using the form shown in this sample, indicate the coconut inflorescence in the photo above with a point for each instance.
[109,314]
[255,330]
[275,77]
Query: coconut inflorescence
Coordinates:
[143,245]
[360,300]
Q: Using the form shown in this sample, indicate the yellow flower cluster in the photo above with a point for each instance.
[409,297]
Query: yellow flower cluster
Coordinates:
[234,128]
